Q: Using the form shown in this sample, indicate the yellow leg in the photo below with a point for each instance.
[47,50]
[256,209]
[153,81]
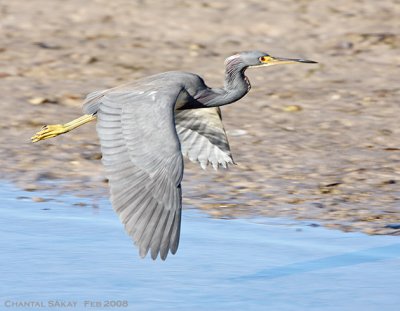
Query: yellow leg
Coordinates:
[49,131]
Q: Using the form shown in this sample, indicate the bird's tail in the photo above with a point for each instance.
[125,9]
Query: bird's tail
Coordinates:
[92,102]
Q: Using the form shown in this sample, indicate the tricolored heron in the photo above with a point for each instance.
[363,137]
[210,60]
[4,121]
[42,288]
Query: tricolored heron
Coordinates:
[146,126]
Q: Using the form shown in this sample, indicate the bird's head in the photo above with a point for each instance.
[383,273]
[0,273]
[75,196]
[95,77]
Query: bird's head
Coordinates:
[260,59]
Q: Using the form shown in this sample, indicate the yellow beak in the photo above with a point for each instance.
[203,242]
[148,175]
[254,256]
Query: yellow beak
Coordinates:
[270,60]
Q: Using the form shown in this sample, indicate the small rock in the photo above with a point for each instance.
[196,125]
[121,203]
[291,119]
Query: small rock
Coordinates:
[393,226]
[88,59]
[334,184]
[91,155]
[41,100]
[345,45]
[237,132]
[23,198]
[292,108]
[330,188]
[369,231]
[195,46]
[289,128]
[391,149]
[31,188]
[48,46]
[82,204]
[389,182]
[38,199]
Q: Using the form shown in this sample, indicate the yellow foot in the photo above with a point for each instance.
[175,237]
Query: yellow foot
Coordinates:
[49,131]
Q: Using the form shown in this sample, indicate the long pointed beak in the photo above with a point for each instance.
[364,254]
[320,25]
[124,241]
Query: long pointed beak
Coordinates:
[271,60]
[283,60]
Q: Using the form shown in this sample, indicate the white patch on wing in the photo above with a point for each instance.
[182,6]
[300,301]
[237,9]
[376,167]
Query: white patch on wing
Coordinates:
[152,94]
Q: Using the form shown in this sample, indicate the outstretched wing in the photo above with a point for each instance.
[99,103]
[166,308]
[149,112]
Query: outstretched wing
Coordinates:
[202,136]
[143,161]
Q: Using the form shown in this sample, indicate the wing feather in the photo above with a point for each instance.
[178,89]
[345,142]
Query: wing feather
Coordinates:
[202,136]
[143,161]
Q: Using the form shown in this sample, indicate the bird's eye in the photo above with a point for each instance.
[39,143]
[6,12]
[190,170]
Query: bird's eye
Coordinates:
[262,58]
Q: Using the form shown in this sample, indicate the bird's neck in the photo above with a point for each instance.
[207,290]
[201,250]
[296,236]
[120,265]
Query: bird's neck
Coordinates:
[236,84]
[235,87]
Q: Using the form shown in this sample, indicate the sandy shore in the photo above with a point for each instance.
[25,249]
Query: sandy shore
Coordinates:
[316,142]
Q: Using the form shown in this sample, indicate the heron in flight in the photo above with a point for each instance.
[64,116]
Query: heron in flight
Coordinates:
[146,127]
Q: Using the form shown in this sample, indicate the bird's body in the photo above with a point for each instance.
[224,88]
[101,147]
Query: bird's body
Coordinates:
[193,93]
[145,127]
[186,84]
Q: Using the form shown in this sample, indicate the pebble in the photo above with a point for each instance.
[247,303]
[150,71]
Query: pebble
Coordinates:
[41,100]
[38,199]
[292,108]
[393,226]
[237,132]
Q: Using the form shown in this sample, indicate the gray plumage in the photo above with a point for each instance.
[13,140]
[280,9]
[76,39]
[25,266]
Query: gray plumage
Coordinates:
[202,137]
[145,127]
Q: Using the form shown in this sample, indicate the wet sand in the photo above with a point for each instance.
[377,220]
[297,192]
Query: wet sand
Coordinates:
[311,142]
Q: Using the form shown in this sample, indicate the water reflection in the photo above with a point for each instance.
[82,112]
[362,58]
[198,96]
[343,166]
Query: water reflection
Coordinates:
[374,254]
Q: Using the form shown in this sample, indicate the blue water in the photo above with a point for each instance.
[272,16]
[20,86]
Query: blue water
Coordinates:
[58,252]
